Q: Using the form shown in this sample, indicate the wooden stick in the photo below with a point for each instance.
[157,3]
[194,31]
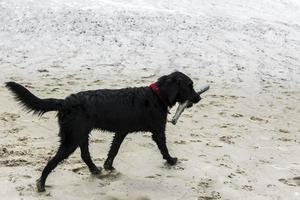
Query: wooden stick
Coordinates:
[182,106]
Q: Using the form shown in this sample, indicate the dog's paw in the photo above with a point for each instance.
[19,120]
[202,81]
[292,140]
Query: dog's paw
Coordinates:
[96,170]
[40,187]
[172,161]
[108,167]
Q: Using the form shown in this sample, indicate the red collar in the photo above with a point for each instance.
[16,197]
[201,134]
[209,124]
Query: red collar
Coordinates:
[154,88]
[156,91]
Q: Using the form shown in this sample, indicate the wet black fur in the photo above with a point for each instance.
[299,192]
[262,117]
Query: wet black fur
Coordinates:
[121,111]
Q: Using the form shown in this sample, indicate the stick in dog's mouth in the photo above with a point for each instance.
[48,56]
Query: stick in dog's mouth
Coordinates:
[182,106]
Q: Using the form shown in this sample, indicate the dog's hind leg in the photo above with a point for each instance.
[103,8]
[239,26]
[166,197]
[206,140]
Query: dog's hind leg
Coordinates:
[86,157]
[114,148]
[160,140]
[62,153]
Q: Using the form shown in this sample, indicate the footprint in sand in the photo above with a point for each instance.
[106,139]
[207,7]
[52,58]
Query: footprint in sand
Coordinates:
[204,188]
[215,103]
[253,118]
[240,171]
[284,139]
[284,131]
[195,140]
[154,176]
[178,166]
[8,117]
[28,190]
[109,175]
[291,181]
[205,183]
[227,139]
[247,187]
[106,176]
[13,130]
[79,169]
[226,125]
[42,70]
[211,144]
[14,162]
[180,142]
[236,115]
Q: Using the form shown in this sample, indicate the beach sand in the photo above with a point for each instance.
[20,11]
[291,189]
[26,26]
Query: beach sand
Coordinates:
[242,141]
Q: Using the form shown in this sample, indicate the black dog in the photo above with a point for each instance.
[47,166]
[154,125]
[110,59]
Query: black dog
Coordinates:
[121,111]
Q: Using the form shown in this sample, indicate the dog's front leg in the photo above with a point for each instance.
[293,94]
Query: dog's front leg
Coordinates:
[114,148]
[160,140]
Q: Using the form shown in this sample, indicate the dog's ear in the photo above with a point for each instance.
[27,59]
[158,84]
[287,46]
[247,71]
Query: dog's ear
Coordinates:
[162,79]
[171,88]
[172,95]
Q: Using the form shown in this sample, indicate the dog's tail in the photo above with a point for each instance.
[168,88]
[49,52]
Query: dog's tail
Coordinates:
[32,103]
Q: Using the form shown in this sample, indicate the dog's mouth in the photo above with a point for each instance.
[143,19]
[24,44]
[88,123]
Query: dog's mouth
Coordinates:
[183,101]
[191,101]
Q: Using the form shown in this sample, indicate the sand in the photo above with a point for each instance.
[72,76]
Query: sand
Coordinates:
[242,141]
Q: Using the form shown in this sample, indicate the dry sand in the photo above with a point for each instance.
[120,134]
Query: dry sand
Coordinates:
[242,141]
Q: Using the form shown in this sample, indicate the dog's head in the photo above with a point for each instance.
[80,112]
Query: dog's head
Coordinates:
[178,87]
